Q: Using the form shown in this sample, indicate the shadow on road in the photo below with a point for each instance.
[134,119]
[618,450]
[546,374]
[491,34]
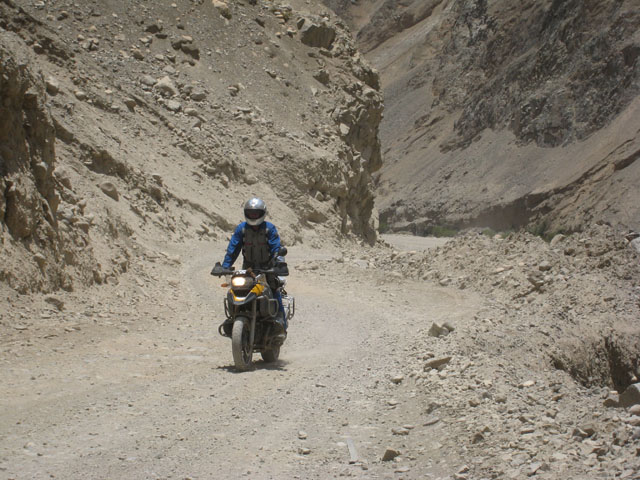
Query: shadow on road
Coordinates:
[280,365]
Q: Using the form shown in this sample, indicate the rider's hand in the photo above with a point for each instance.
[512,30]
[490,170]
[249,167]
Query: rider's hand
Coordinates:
[217,269]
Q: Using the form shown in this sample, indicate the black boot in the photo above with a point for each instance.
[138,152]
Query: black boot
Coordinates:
[279,329]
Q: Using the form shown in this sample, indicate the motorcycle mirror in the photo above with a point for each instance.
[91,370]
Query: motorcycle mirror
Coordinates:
[282,252]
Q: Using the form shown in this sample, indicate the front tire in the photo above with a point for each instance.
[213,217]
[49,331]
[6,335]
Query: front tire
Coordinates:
[242,351]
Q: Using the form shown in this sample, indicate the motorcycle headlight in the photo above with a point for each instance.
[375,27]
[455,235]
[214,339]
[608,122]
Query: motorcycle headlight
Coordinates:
[242,282]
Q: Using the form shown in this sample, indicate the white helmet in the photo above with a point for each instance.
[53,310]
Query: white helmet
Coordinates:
[255,211]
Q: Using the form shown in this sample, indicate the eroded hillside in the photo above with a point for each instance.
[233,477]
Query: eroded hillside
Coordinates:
[504,115]
[128,122]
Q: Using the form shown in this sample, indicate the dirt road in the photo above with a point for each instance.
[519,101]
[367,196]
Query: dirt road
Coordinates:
[140,385]
[133,381]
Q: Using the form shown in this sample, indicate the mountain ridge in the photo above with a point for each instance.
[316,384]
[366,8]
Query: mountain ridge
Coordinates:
[493,111]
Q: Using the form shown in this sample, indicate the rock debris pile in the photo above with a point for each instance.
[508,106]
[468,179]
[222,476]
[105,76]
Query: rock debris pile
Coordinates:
[543,379]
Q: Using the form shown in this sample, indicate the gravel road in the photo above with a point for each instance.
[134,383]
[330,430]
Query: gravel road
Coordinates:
[138,384]
[399,364]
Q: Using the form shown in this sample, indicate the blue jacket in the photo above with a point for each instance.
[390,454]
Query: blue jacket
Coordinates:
[237,241]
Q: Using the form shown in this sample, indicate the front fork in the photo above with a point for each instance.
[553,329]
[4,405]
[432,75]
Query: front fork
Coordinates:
[254,317]
[252,332]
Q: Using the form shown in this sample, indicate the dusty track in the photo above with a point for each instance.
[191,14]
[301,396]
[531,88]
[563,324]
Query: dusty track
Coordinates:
[151,394]
[132,380]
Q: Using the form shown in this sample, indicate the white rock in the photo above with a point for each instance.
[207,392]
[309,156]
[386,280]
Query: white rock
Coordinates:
[148,80]
[557,239]
[166,86]
[544,266]
[173,106]
[53,86]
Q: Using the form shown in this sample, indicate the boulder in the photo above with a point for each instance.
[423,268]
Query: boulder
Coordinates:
[631,396]
[53,86]
[438,330]
[153,28]
[317,35]
[173,106]
[110,190]
[148,80]
[390,454]
[223,8]
[130,103]
[437,363]
[190,49]
[166,87]
[557,239]
[612,400]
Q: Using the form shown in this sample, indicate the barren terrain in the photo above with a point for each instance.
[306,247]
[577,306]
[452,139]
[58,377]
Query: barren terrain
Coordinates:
[132,380]
[130,135]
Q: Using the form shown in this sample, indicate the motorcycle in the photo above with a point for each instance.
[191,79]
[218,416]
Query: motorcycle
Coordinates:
[251,310]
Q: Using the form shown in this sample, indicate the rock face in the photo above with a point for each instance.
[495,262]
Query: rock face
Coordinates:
[141,92]
[29,199]
[504,116]
[27,149]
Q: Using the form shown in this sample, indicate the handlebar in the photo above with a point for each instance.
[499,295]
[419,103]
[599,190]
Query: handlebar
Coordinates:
[278,266]
[220,271]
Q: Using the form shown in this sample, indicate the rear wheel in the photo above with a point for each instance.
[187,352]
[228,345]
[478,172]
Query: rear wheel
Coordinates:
[240,347]
[271,355]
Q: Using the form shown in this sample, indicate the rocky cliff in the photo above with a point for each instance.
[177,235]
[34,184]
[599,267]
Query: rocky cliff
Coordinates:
[505,115]
[126,122]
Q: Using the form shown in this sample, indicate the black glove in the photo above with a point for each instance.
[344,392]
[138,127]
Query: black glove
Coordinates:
[217,270]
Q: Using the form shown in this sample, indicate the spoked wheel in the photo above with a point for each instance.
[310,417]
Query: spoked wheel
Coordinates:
[271,355]
[240,347]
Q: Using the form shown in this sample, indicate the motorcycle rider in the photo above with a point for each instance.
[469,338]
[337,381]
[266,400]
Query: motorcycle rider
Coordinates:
[259,242]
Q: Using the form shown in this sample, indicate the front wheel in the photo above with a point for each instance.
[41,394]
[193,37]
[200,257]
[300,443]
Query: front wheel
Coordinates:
[240,347]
